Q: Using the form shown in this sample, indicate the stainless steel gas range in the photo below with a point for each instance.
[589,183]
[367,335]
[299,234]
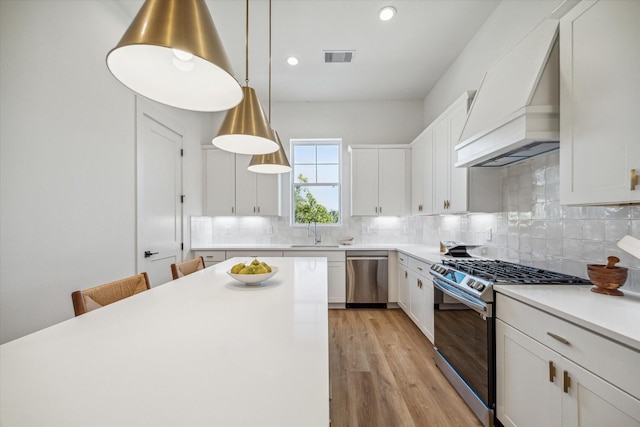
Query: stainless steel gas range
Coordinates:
[464,321]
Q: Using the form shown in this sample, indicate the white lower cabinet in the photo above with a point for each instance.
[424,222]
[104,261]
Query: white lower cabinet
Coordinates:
[541,386]
[403,283]
[248,254]
[336,274]
[415,293]
[211,257]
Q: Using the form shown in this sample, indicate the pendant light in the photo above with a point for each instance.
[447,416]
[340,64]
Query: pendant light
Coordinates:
[172,53]
[276,162]
[245,129]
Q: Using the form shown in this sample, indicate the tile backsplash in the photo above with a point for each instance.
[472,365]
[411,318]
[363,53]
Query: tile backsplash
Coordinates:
[533,229]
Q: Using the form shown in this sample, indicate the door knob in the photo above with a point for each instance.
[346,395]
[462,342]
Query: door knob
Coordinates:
[147,254]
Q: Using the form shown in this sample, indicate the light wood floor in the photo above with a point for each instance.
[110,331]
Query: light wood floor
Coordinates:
[383,374]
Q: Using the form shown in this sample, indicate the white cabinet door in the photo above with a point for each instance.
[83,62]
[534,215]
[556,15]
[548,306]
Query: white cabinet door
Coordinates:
[421,173]
[392,183]
[220,183]
[245,187]
[403,288]
[337,282]
[458,177]
[442,164]
[528,395]
[426,322]
[592,402]
[599,108]
[364,182]
[268,194]
[416,303]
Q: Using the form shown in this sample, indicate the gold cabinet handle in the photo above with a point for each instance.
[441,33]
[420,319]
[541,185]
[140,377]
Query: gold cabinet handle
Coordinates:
[566,381]
[559,338]
[634,180]
[406,274]
[419,208]
[376,208]
[233,210]
[552,372]
[380,209]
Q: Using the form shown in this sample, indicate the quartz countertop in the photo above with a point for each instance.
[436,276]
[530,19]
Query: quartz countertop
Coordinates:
[430,254]
[616,318]
[202,350]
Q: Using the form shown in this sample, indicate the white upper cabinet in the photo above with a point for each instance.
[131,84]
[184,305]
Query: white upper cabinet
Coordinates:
[220,183]
[256,193]
[230,189]
[445,188]
[421,173]
[380,181]
[600,103]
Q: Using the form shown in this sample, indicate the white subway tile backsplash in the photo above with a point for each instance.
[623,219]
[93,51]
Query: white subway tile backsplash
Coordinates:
[615,230]
[593,230]
[618,212]
[572,229]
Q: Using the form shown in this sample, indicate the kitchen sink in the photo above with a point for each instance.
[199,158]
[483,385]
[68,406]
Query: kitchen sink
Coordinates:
[315,246]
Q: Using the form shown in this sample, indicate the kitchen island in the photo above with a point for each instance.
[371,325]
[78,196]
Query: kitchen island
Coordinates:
[201,350]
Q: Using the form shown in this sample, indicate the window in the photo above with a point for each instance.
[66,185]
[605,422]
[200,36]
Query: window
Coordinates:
[315,189]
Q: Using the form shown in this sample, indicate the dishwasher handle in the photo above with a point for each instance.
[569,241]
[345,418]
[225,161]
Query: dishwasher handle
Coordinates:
[364,258]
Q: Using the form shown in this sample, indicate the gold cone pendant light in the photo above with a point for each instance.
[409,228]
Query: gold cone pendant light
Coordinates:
[245,129]
[273,162]
[171,53]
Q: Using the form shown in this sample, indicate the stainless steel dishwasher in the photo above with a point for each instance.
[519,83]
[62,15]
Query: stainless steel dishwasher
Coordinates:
[367,279]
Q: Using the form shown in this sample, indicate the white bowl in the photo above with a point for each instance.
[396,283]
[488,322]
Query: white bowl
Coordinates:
[253,279]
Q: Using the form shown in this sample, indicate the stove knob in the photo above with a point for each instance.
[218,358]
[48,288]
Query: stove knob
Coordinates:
[479,286]
[470,283]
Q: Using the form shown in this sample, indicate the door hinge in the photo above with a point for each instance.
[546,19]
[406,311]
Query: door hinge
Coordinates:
[181,152]
[182,196]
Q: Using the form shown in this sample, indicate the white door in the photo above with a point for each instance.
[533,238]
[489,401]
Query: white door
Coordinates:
[159,204]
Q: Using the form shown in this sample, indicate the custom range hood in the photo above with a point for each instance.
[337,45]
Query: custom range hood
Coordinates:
[516,113]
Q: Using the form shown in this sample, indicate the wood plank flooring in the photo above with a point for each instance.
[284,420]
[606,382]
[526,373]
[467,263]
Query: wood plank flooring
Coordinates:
[383,374]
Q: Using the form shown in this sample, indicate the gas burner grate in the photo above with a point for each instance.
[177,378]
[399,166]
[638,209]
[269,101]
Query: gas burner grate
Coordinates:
[507,272]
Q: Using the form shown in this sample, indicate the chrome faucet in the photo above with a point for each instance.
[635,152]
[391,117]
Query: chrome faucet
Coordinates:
[317,238]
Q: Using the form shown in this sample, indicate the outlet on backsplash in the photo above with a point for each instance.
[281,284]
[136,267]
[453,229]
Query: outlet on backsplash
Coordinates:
[365,228]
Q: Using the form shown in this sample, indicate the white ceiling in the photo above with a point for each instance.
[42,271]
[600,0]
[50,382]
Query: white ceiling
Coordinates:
[397,60]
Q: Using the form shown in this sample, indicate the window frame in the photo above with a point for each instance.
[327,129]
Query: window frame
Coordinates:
[293,185]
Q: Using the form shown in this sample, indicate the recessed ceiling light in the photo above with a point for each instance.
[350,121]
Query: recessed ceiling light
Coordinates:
[387,13]
[292,60]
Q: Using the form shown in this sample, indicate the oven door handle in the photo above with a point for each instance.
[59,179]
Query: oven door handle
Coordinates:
[460,296]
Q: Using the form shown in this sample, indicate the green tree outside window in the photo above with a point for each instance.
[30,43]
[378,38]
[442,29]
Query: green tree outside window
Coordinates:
[307,208]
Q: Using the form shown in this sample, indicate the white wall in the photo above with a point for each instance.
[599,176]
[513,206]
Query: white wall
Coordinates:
[67,156]
[509,23]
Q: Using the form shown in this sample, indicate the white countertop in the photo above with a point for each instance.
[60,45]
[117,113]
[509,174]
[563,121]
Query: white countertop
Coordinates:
[425,253]
[617,318]
[201,350]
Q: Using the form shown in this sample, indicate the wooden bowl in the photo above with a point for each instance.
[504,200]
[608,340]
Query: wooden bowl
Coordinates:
[607,278]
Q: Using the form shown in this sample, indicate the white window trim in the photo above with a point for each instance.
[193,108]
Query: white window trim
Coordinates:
[292,186]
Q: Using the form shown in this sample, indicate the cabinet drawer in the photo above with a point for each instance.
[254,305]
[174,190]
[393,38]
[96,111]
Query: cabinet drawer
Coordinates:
[253,254]
[611,361]
[331,256]
[211,256]
[420,267]
[403,259]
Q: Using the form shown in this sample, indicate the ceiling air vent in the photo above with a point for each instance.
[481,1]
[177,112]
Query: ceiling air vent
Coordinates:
[338,56]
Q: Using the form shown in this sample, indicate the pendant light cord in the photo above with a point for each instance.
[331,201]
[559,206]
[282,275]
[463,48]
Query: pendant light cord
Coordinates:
[246,47]
[269,61]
